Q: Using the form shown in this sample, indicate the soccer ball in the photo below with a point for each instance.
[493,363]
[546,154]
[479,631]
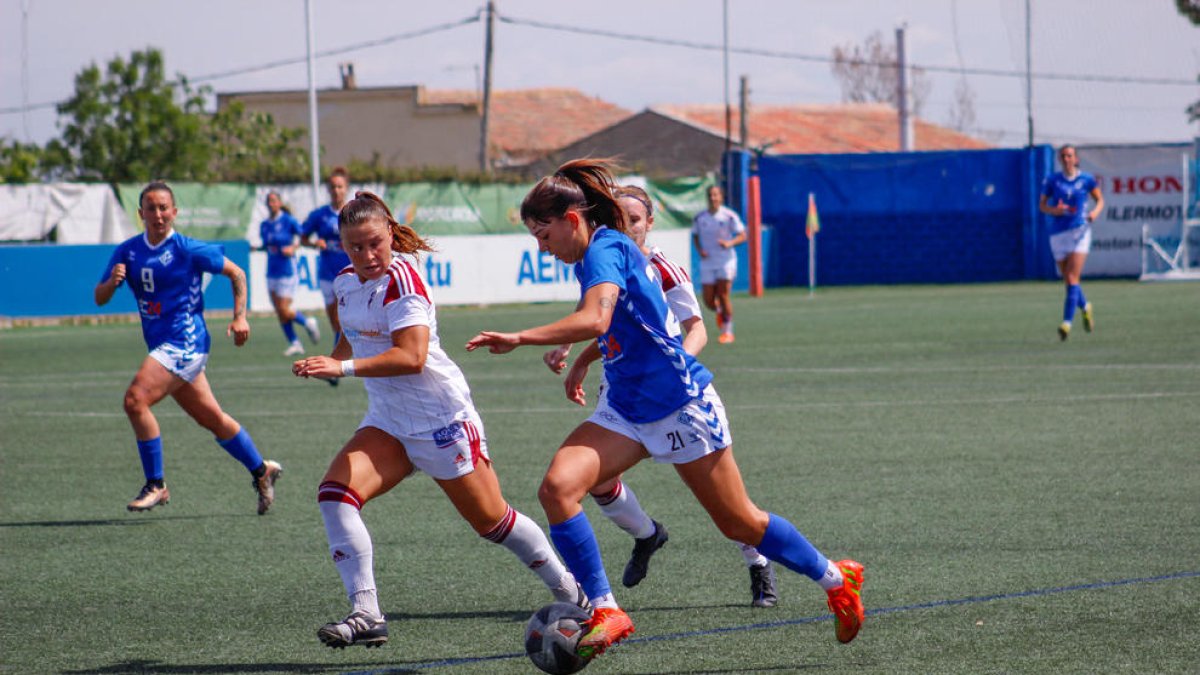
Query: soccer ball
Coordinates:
[551,636]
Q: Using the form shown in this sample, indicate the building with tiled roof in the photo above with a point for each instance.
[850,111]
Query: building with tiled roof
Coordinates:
[525,124]
[688,140]
[414,127]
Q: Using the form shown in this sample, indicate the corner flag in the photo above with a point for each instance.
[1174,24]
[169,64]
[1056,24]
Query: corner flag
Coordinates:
[812,224]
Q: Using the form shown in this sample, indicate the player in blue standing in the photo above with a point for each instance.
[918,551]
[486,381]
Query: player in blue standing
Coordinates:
[279,233]
[165,271]
[320,229]
[1065,196]
[660,403]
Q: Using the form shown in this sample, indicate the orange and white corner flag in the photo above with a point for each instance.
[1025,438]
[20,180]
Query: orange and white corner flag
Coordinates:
[812,224]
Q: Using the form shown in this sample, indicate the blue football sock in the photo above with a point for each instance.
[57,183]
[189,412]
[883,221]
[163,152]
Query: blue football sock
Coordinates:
[1080,301]
[288,331]
[1070,302]
[576,543]
[241,447]
[151,454]
[300,319]
[784,544]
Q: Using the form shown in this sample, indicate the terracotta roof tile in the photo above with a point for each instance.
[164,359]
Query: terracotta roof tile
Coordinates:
[527,123]
[814,129]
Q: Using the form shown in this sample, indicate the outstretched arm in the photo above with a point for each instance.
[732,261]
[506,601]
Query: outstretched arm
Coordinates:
[587,322]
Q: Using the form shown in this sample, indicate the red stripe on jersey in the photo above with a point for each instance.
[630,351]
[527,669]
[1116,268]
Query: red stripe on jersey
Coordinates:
[672,274]
[404,281]
[348,269]
[331,491]
[502,529]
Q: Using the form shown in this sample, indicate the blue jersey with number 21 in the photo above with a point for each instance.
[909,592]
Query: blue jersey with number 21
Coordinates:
[167,282]
[649,374]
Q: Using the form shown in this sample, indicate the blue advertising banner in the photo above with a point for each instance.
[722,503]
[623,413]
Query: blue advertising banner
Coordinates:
[48,280]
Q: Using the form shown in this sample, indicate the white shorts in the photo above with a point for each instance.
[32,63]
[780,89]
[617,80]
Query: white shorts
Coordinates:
[184,364]
[448,453]
[327,291]
[1074,240]
[697,429]
[284,287]
[710,273]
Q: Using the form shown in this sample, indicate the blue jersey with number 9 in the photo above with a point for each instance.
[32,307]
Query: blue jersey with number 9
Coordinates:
[167,282]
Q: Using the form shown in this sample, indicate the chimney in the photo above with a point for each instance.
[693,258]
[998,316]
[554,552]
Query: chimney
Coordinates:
[347,71]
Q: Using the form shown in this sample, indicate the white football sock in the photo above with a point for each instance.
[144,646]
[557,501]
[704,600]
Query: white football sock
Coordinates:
[352,552]
[519,534]
[832,578]
[625,511]
[751,555]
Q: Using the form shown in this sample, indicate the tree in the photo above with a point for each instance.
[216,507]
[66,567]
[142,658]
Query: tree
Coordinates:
[248,147]
[867,73]
[962,111]
[19,162]
[129,124]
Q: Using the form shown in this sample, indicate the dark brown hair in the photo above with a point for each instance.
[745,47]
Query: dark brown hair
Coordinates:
[583,184]
[156,186]
[339,171]
[367,205]
[635,192]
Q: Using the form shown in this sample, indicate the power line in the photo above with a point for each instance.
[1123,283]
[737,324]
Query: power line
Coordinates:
[360,46]
[796,56]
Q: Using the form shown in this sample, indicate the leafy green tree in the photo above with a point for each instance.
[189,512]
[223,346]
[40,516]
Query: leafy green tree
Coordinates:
[128,123]
[19,162]
[247,146]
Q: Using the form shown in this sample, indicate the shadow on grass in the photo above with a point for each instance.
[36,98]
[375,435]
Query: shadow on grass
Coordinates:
[150,666]
[118,522]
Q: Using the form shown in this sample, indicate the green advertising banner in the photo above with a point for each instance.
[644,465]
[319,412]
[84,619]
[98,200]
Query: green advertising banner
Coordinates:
[224,211]
[677,201]
[209,212]
[458,208]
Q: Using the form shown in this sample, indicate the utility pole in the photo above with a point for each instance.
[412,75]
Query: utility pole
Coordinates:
[314,132]
[725,61]
[744,112]
[902,93]
[484,165]
[1029,72]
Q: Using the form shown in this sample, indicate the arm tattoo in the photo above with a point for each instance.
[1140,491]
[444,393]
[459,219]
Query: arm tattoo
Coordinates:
[608,302]
[238,279]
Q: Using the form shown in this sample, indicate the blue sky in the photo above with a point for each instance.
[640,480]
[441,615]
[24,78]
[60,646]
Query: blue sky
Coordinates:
[1136,40]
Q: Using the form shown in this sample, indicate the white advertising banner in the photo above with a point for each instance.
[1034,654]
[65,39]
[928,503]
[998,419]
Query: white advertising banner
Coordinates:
[1142,185]
[471,270]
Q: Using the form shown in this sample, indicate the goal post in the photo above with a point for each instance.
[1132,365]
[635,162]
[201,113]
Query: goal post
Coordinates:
[1174,255]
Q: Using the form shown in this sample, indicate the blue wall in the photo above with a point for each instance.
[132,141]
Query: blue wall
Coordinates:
[39,280]
[922,217]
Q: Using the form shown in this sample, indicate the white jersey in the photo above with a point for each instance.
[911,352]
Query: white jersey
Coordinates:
[677,286]
[370,312]
[711,228]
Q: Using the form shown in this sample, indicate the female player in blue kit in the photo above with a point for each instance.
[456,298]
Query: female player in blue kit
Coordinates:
[659,404]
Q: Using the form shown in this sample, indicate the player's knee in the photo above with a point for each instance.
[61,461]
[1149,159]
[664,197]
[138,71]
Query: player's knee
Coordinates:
[558,492]
[136,401]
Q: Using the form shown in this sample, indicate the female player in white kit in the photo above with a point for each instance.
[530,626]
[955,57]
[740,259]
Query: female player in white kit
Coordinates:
[419,416]
[614,497]
[659,403]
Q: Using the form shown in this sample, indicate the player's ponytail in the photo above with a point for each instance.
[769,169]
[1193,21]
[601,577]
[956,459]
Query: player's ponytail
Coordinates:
[583,184]
[367,205]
